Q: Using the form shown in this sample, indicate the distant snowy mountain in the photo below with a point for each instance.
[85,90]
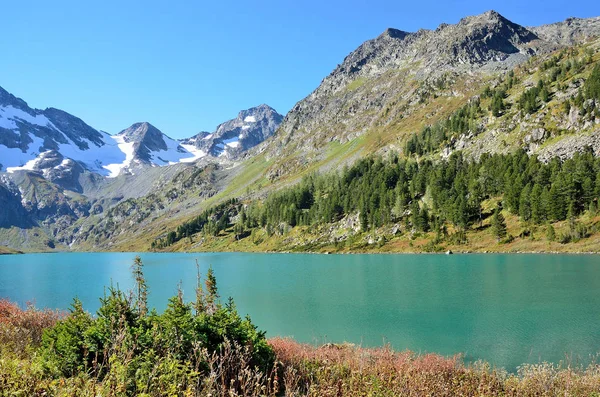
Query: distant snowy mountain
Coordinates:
[235,136]
[29,137]
[144,144]
[56,144]
[26,133]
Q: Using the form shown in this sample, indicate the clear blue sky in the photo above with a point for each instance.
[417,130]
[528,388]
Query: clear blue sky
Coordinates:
[186,66]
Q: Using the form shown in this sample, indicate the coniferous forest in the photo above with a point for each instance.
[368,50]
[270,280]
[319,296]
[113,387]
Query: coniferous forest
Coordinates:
[443,197]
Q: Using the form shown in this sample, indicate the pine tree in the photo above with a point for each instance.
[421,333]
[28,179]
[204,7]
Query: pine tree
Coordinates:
[141,286]
[498,224]
[525,204]
[364,219]
[536,204]
[212,294]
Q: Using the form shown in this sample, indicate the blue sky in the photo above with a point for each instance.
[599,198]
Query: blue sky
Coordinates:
[186,66]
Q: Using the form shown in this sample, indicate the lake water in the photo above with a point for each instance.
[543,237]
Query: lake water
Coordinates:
[506,309]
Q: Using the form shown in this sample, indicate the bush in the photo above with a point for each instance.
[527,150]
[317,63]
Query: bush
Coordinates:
[125,346]
[22,328]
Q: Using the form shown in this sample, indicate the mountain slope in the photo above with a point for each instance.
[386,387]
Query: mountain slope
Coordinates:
[485,85]
[384,86]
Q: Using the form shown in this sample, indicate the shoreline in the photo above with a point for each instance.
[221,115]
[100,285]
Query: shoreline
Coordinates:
[356,252]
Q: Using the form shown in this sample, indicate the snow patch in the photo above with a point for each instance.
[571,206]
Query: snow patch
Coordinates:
[125,148]
[174,154]
[9,115]
[15,158]
[250,119]
[197,153]
[29,166]
[232,142]
[208,137]
[245,127]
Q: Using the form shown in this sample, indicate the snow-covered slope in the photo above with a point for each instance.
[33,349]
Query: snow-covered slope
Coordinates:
[29,135]
[144,144]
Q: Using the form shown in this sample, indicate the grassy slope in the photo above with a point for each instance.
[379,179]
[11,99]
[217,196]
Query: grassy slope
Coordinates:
[7,251]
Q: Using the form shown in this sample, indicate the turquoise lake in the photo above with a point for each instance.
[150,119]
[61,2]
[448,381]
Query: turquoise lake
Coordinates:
[506,309]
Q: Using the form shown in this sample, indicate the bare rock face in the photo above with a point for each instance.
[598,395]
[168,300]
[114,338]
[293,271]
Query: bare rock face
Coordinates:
[13,213]
[569,32]
[381,79]
[566,147]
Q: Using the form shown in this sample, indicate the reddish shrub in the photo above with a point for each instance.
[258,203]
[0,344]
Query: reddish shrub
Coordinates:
[26,324]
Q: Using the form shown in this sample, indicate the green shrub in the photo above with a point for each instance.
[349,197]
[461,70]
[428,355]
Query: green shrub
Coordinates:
[125,346]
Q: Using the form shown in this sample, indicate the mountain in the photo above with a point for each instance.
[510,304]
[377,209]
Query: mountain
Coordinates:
[25,133]
[145,145]
[231,138]
[29,138]
[58,173]
[569,32]
[382,87]
[485,85]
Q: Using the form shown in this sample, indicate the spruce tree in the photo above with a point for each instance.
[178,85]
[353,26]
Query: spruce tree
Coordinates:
[200,304]
[212,294]
[498,224]
[141,286]
[525,204]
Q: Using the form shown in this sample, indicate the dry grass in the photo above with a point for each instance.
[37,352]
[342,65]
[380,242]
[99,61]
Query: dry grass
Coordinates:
[345,370]
[300,370]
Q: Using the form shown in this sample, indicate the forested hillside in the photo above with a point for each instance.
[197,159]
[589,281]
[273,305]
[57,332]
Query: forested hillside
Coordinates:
[433,190]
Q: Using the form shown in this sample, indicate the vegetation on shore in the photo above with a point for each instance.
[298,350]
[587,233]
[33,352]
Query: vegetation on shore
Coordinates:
[392,204]
[204,348]
[427,199]
[6,251]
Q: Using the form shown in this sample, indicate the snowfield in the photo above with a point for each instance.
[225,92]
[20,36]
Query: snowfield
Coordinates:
[111,158]
[10,115]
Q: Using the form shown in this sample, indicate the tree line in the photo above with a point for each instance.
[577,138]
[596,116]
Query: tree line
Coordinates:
[425,195]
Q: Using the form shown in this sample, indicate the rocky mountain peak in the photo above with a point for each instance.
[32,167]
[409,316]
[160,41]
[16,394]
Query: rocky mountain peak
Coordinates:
[146,139]
[251,127]
[395,33]
[570,31]
[8,99]
[138,131]
[382,72]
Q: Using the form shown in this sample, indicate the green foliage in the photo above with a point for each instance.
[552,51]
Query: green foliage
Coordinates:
[211,221]
[432,137]
[530,100]
[427,195]
[592,84]
[125,345]
[498,224]
[64,350]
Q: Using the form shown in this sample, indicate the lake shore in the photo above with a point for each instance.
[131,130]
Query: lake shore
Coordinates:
[295,369]
[9,251]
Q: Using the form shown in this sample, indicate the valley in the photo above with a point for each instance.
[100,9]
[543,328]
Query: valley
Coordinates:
[483,87]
